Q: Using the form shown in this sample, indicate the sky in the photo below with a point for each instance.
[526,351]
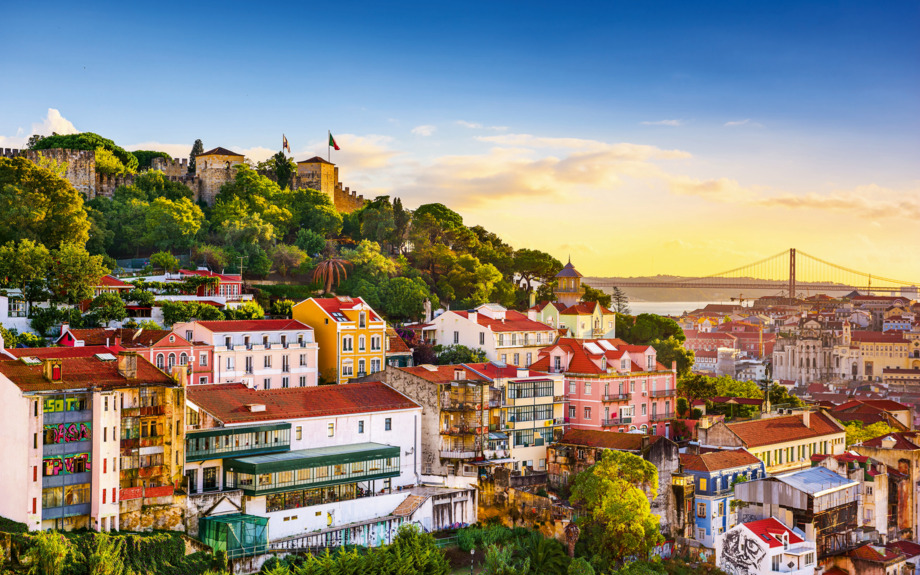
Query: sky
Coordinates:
[639,138]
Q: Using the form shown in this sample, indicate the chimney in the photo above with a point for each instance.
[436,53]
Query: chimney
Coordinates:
[806,418]
[127,364]
[117,341]
[52,370]
[473,315]
[459,374]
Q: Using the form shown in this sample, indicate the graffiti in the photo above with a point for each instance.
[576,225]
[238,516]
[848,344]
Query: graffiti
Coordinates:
[68,432]
[59,403]
[741,554]
[66,464]
[665,550]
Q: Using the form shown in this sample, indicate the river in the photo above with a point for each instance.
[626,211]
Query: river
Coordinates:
[668,307]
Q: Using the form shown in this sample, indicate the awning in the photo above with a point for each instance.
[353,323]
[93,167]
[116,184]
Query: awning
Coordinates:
[316,457]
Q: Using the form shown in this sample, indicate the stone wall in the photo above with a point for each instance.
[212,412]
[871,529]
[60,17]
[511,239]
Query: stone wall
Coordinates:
[149,513]
[81,165]
[201,503]
[347,201]
[177,167]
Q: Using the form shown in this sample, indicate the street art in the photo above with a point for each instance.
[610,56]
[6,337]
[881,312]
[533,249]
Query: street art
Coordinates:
[68,432]
[665,550]
[741,554]
[61,403]
[66,464]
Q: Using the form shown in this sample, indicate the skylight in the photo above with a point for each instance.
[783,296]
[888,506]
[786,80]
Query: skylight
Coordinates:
[30,360]
[593,349]
[606,345]
[105,357]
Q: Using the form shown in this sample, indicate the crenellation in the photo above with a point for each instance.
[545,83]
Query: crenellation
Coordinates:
[176,167]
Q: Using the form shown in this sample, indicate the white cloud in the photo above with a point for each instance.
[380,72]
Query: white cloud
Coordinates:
[672,123]
[425,130]
[746,122]
[53,122]
[478,126]
[255,154]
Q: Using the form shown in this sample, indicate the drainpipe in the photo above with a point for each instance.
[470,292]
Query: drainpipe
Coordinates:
[418,478]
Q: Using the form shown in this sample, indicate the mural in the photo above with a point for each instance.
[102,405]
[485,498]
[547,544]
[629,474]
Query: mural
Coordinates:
[742,554]
[68,432]
[66,464]
[665,550]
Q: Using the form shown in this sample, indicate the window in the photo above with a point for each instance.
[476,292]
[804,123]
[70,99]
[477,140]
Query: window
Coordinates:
[701,508]
[160,361]
[361,426]
[529,359]
[809,558]
[387,424]
[702,484]
[303,359]
[375,365]
[573,388]
[249,364]
[183,359]
[347,368]
[106,403]
[361,366]
[375,343]
[230,363]
[587,413]
[571,412]
[482,338]
[303,381]
[203,359]
[203,379]
[643,409]
[517,359]
[298,433]
[267,383]
[347,343]
[504,358]
[285,382]
[228,343]
[361,343]
[587,388]
[267,361]
[330,430]
[557,364]
[17,307]
[188,335]
[721,508]
[362,320]
[776,561]
[456,337]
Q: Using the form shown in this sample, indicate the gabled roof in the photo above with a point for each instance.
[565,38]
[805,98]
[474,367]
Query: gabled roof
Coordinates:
[218,151]
[874,553]
[760,432]
[881,404]
[908,548]
[442,373]
[877,337]
[315,160]
[247,325]
[770,531]
[228,402]
[514,321]
[541,305]
[335,305]
[129,338]
[585,308]
[717,460]
[397,344]
[607,439]
[79,372]
[111,281]
[906,440]
[226,278]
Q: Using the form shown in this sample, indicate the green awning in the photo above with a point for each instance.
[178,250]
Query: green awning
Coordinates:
[306,458]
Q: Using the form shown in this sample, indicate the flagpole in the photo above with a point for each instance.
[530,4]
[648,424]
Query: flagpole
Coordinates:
[329,146]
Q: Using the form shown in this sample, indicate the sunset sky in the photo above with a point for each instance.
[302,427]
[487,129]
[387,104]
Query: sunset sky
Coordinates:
[639,137]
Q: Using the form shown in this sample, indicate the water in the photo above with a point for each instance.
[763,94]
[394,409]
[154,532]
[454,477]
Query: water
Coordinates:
[668,307]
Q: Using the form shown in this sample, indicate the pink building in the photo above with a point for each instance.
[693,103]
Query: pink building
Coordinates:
[611,385]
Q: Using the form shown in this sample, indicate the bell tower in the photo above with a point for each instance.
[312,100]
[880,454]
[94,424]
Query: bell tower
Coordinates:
[568,285]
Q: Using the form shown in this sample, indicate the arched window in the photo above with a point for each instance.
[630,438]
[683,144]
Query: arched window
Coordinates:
[172,360]
[160,360]
[183,359]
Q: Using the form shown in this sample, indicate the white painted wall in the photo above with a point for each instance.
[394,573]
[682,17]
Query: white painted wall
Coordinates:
[104,460]
[18,423]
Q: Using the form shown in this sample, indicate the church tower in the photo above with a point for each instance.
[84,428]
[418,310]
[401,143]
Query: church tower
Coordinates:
[568,285]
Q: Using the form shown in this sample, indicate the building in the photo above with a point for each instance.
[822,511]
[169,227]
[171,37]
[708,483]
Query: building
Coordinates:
[869,411]
[504,335]
[783,442]
[326,466]
[90,437]
[900,451]
[161,347]
[263,353]
[714,475]
[578,319]
[398,353]
[612,385]
[14,311]
[350,334]
[214,168]
[871,559]
[816,501]
[579,449]
[111,284]
[765,546]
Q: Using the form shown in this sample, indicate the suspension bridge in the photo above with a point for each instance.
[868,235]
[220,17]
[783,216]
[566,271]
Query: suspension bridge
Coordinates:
[781,272]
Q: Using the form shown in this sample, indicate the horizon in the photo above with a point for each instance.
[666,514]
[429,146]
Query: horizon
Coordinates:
[653,140]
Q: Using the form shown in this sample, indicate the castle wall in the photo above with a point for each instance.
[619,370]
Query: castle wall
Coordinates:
[81,165]
[174,168]
[213,172]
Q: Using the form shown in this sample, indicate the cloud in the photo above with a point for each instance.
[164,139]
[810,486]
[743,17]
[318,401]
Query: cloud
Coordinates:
[872,202]
[746,122]
[622,151]
[478,126]
[672,123]
[53,122]
[719,189]
[255,154]
[364,152]
[174,150]
[425,130]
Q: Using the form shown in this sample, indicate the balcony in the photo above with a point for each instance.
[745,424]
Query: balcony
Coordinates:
[463,430]
[558,398]
[148,411]
[662,416]
[616,421]
[237,442]
[616,397]
[662,393]
[457,454]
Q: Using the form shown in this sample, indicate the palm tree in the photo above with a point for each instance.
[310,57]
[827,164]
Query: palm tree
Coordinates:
[544,555]
[330,272]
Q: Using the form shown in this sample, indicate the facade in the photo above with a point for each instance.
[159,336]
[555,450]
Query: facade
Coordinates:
[714,475]
[14,311]
[263,353]
[783,442]
[578,319]
[350,334]
[334,464]
[504,335]
[816,501]
[214,168]
[612,385]
[90,437]
[398,353]
[900,451]
[579,449]
[763,547]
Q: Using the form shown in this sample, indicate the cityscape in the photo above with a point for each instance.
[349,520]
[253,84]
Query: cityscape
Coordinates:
[608,290]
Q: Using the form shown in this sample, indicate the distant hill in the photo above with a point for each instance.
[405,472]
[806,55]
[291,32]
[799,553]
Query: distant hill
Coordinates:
[696,294]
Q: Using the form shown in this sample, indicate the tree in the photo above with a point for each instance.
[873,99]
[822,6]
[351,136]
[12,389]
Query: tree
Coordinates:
[532,265]
[619,301]
[368,262]
[141,297]
[89,141]
[247,310]
[309,241]
[108,307]
[330,272]
[286,258]
[543,555]
[648,327]
[580,566]
[107,163]
[283,167]
[172,224]
[106,556]
[618,522]
[282,307]
[402,298]
[74,273]
[452,354]
[49,553]
[670,350]
[25,265]
[37,204]
[442,214]
[177,311]
[197,149]
[779,395]
[145,158]
[154,184]
[500,560]
[597,295]
[858,432]
[401,221]
[214,257]
[164,261]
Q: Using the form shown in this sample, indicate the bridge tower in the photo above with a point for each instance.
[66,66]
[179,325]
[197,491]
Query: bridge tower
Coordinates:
[792,274]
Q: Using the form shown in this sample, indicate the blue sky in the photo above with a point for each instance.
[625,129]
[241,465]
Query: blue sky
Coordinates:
[792,122]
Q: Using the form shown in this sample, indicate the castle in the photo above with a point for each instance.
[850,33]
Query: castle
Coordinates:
[213,169]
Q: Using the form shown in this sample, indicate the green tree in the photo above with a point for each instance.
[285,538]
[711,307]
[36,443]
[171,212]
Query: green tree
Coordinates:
[445,216]
[670,350]
[368,262]
[145,158]
[314,211]
[330,272]
[597,295]
[177,311]
[779,395]
[24,265]
[451,354]
[106,556]
[580,566]
[309,241]
[154,184]
[858,432]
[37,204]
[402,298]
[282,307]
[108,307]
[88,141]
[164,261]
[247,310]
[545,556]
[74,273]
[173,224]
[614,493]
[49,553]
[140,297]
[619,301]
[286,258]
[283,167]
[107,163]
[648,327]
[214,257]
[532,265]
[197,150]
[501,560]
[401,220]
[694,386]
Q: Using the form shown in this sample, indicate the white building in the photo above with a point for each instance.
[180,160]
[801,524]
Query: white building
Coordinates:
[262,353]
[329,465]
[14,311]
[765,547]
[504,335]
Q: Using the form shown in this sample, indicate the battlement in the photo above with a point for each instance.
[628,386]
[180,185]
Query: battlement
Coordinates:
[10,153]
[176,167]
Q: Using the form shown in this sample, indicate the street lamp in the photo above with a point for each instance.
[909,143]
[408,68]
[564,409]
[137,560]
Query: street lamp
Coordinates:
[472,556]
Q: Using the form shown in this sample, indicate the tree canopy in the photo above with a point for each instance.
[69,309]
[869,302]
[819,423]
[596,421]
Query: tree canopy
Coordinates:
[89,141]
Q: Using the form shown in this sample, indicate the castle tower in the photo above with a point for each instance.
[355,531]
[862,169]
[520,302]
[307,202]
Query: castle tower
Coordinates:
[568,285]
[320,175]
[214,168]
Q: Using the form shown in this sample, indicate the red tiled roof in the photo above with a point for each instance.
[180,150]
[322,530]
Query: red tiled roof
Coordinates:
[908,548]
[228,401]
[877,337]
[129,337]
[607,439]
[768,431]
[884,404]
[244,325]
[79,372]
[336,304]
[542,305]
[397,345]
[493,371]
[717,460]
[60,352]
[836,571]
[110,281]
[209,274]
[441,373]
[514,321]
[875,554]
[584,308]
[907,440]
[770,530]
[315,160]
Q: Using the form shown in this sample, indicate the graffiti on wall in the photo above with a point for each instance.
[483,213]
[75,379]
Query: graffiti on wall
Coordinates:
[66,464]
[68,432]
[741,554]
[62,403]
[665,550]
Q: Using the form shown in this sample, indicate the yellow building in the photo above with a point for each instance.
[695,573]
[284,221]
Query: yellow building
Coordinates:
[350,335]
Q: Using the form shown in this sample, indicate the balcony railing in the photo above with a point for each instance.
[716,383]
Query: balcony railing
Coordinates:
[616,397]
[558,398]
[662,392]
[616,421]
[458,454]
[662,416]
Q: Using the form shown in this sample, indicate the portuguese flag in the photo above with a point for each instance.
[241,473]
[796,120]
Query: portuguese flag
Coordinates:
[332,142]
